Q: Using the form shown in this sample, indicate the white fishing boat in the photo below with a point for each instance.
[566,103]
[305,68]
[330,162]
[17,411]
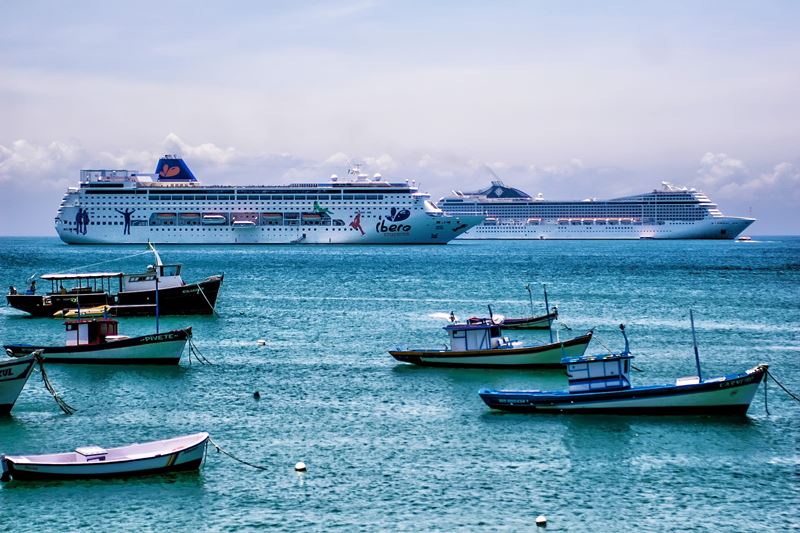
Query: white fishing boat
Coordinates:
[482,344]
[158,457]
[14,375]
[97,340]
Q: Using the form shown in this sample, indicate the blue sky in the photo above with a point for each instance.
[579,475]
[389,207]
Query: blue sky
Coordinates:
[571,99]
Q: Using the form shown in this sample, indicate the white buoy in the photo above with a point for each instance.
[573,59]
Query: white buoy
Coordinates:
[300,467]
[541,520]
[262,342]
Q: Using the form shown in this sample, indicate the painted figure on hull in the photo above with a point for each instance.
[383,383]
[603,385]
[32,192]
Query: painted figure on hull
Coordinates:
[127,215]
[85,220]
[79,220]
[356,223]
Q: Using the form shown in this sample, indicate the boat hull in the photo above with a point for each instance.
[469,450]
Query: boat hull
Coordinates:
[157,349]
[27,468]
[716,228]
[546,356]
[530,322]
[191,299]
[729,395]
[419,228]
[13,377]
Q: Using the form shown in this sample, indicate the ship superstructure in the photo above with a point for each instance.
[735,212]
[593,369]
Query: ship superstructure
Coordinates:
[670,213]
[172,206]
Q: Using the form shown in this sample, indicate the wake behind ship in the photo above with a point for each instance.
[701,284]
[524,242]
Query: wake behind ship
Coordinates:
[671,213]
[171,206]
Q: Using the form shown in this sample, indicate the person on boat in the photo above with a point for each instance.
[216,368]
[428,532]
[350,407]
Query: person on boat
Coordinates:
[32,289]
[452,317]
[12,290]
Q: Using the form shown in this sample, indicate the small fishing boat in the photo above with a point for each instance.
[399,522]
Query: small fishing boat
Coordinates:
[529,322]
[135,294]
[482,344]
[98,341]
[13,377]
[601,384]
[158,457]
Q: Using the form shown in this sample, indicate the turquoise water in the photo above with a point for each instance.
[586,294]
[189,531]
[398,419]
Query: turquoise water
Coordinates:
[396,447]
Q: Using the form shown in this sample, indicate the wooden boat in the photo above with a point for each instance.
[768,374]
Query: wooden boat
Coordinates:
[601,384]
[136,294]
[483,345]
[14,375]
[530,322]
[97,341]
[158,457]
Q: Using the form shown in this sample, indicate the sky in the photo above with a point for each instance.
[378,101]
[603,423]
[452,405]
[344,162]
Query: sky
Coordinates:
[571,99]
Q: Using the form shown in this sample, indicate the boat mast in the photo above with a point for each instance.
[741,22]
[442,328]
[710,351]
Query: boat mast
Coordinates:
[530,296]
[694,341]
[156,297]
[547,313]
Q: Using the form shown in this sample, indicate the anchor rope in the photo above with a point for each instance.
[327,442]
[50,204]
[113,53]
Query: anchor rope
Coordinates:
[787,391]
[203,294]
[219,449]
[49,386]
[193,350]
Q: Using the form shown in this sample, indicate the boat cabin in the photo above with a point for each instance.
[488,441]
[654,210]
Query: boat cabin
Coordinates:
[484,335]
[91,331]
[168,276]
[595,373]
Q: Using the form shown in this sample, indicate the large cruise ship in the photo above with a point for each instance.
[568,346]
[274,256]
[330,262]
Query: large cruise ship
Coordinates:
[671,213]
[171,206]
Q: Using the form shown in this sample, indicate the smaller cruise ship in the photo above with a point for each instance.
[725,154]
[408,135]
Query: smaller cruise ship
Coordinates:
[172,206]
[670,213]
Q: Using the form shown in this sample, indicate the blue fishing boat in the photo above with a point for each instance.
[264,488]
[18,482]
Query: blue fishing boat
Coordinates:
[601,384]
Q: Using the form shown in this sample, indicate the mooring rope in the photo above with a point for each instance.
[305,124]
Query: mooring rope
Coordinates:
[203,294]
[61,403]
[787,391]
[108,261]
[610,352]
[219,449]
[193,350]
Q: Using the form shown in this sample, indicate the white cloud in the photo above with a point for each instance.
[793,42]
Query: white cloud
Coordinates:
[717,169]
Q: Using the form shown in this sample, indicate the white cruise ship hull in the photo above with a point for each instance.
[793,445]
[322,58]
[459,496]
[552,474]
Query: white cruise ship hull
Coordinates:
[710,228]
[419,229]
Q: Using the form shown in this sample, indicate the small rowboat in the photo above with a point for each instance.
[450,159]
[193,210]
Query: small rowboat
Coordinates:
[97,341]
[158,457]
[601,384]
[529,322]
[483,345]
[13,376]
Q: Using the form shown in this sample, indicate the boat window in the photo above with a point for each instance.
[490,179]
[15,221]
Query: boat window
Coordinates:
[459,334]
[625,367]
[494,332]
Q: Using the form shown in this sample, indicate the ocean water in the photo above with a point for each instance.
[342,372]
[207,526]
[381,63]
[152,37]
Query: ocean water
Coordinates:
[401,448]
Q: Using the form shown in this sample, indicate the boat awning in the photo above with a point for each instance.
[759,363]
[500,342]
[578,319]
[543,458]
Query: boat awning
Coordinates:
[84,275]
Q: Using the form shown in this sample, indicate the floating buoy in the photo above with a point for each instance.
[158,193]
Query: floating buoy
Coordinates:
[300,467]
[262,342]
[541,520]
[257,395]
